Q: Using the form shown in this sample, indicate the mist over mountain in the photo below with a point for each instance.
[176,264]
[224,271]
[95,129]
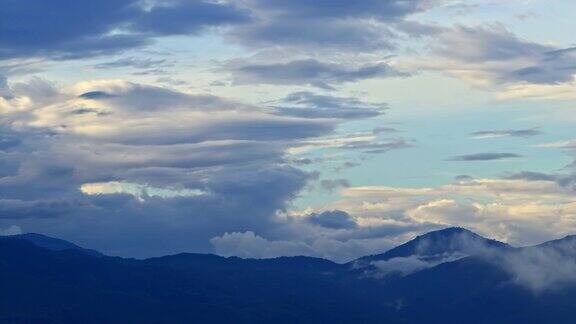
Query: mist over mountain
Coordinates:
[462,277]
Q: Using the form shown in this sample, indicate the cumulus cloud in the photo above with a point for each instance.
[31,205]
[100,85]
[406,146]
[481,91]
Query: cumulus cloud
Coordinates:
[141,159]
[485,157]
[250,245]
[152,164]
[521,210]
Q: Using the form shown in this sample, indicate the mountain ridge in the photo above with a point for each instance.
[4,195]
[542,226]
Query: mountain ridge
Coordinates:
[503,285]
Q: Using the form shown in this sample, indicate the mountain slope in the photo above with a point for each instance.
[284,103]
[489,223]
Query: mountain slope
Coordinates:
[39,285]
[498,284]
[50,243]
[442,242]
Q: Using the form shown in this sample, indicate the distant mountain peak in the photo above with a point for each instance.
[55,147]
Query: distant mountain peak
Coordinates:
[442,242]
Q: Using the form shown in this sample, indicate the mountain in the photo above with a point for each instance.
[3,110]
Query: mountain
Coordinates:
[39,285]
[452,240]
[490,282]
[50,243]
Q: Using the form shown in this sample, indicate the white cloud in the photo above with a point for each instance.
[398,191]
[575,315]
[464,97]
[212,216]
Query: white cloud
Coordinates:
[11,230]
[513,210]
[408,265]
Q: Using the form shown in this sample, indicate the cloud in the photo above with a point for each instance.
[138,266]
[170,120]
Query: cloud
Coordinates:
[366,143]
[139,164]
[384,129]
[65,29]
[490,56]
[250,245]
[310,105]
[331,185]
[186,17]
[520,210]
[389,10]
[335,219]
[314,35]
[132,62]
[567,145]
[507,133]
[485,157]
[309,71]
[378,147]
[554,67]
[12,230]
[532,176]
[488,43]
[365,26]
[404,266]
[5,92]
[549,266]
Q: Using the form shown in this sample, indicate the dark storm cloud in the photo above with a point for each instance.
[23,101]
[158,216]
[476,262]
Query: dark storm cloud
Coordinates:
[310,105]
[507,133]
[312,72]
[485,157]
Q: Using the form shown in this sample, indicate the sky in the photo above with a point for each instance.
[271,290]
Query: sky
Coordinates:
[262,128]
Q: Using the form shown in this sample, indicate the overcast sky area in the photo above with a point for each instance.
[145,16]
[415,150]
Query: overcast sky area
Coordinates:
[261,128]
